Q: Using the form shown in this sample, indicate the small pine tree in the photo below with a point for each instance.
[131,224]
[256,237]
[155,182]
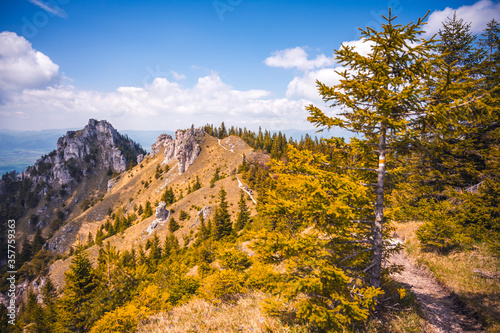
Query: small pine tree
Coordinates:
[26,252]
[49,293]
[215,177]
[99,237]
[38,241]
[204,232]
[222,131]
[90,240]
[197,184]
[243,216]
[183,215]
[34,313]
[222,220]
[243,167]
[173,226]
[148,210]
[158,171]
[155,251]
[168,196]
[171,246]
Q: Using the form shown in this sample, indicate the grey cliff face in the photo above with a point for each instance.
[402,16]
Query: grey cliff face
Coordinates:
[99,145]
[184,148]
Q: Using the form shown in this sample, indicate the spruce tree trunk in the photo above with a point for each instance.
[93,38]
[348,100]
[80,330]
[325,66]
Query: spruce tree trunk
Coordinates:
[379,214]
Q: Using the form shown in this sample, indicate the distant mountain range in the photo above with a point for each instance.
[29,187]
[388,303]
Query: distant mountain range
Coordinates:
[20,149]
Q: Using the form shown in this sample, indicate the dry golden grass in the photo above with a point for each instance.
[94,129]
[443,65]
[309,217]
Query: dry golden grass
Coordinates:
[398,322]
[456,271]
[129,191]
[201,316]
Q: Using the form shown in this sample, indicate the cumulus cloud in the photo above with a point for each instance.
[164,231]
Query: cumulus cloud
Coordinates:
[323,69]
[478,14]
[361,46]
[23,67]
[297,58]
[305,86]
[36,102]
[178,76]
[33,96]
[159,105]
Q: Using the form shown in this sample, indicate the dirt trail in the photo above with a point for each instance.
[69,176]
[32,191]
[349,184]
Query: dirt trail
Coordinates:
[439,305]
[240,184]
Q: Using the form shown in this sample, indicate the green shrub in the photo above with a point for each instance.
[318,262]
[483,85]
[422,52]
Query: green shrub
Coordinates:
[234,259]
[442,233]
[123,319]
[223,285]
[184,216]
[173,226]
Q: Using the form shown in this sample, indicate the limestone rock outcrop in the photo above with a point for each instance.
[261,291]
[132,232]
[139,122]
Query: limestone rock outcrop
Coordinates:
[205,211]
[162,214]
[185,148]
[78,153]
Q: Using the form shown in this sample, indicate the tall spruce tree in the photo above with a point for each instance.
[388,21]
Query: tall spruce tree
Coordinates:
[392,95]
[34,314]
[49,293]
[454,159]
[314,231]
[76,310]
[38,241]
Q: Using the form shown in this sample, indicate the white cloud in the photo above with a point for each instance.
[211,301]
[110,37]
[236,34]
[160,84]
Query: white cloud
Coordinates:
[322,68]
[23,67]
[361,46]
[50,8]
[35,102]
[478,14]
[305,86]
[178,76]
[159,105]
[297,58]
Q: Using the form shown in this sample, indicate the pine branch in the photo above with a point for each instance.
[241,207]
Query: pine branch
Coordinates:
[366,169]
[363,221]
[356,254]
[368,268]
[468,102]
[356,241]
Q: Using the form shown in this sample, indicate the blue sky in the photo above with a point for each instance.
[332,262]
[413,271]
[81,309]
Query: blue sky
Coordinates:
[167,64]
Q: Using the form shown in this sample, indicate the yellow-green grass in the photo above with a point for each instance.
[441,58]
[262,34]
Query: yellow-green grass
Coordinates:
[457,271]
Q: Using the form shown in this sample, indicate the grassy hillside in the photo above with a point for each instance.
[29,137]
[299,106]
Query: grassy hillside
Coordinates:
[129,191]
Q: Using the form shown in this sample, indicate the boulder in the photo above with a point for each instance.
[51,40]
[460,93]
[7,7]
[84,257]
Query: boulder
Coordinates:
[205,211]
[162,214]
[111,183]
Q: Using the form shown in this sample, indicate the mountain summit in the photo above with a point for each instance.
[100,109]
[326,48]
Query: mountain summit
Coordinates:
[68,179]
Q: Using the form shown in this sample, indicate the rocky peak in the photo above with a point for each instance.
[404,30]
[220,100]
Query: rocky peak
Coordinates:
[95,135]
[97,146]
[185,148]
